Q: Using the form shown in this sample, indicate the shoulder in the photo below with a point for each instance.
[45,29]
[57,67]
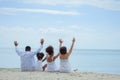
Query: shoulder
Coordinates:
[65,56]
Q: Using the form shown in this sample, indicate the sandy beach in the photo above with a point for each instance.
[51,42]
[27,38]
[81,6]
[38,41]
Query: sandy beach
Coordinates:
[16,74]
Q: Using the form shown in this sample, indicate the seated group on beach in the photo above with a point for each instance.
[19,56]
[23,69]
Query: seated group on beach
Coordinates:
[28,62]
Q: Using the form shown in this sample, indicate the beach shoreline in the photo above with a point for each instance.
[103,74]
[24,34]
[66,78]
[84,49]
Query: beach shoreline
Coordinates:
[16,74]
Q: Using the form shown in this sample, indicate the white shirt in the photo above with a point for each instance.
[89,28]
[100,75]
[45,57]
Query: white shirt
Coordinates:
[27,59]
[38,66]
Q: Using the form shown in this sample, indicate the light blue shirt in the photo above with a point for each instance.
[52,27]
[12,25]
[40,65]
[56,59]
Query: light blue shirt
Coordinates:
[27,59]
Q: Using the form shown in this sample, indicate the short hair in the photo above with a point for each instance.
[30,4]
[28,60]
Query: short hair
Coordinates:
[40,55]
[27,48]
[63,50]
[50,50]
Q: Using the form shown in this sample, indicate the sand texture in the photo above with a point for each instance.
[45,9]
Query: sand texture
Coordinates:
[16,74]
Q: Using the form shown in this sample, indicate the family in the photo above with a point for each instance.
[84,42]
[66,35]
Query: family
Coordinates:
[28,62]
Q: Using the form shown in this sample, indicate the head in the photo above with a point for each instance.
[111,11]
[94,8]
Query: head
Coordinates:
[50,50]
[63,50]
[27,48]
[40,56]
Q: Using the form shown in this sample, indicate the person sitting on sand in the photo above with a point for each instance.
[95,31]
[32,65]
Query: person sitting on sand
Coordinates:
[39,66]
[64,56]
[27,56]
[51,66]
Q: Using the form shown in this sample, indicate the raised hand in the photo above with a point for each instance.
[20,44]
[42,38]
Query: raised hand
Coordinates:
[42,41]
[15,43]
[60,40]
[73,40]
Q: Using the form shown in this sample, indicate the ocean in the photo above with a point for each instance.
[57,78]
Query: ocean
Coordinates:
[85,60]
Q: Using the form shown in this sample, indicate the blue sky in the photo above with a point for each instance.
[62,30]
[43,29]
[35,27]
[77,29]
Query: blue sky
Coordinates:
[94,23]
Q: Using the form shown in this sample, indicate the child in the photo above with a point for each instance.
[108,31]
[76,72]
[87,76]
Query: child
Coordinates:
[39,66]
[64,56]
[27,56]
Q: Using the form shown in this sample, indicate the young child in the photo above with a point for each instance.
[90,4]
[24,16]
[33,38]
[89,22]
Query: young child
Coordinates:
[64,56]
[39,66]
[27,56]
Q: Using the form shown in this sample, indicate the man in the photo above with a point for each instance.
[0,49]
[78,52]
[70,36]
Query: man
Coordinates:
[27,57]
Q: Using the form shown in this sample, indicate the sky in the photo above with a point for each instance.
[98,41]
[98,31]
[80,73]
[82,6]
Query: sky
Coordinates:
[94,23]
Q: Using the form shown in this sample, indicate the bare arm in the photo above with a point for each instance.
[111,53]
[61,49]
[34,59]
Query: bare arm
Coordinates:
[60,41]
[55,57]
[60,45]
[71,48]
[44,59]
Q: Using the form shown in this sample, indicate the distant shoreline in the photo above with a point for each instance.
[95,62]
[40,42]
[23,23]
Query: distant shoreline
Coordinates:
[55,48]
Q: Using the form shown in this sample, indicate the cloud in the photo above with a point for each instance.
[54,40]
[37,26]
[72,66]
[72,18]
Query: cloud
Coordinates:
[27,35]
[106,4]
[33,30]
[31,35]
[29,32]
[13,11]
[85,37]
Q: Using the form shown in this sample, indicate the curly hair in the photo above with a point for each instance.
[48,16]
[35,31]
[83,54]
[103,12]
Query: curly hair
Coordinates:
[50,50]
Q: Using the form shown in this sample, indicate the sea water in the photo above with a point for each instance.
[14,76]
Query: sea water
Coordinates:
[84,60]
[103,61]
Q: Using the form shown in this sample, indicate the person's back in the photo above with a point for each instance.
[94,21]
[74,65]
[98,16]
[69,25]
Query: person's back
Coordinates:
[39,66]
[64,58]
[27,57]
[51,66]
[27,61]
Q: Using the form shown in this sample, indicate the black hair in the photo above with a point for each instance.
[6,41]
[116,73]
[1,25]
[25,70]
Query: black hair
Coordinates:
[63,50]
[27,48]
[50,50]
[40,55]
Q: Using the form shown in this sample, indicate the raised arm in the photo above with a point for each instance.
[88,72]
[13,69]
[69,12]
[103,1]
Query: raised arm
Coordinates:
[17,50]
[44,59]
[71,48]
[38,50]
[60,41]
[60,45]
